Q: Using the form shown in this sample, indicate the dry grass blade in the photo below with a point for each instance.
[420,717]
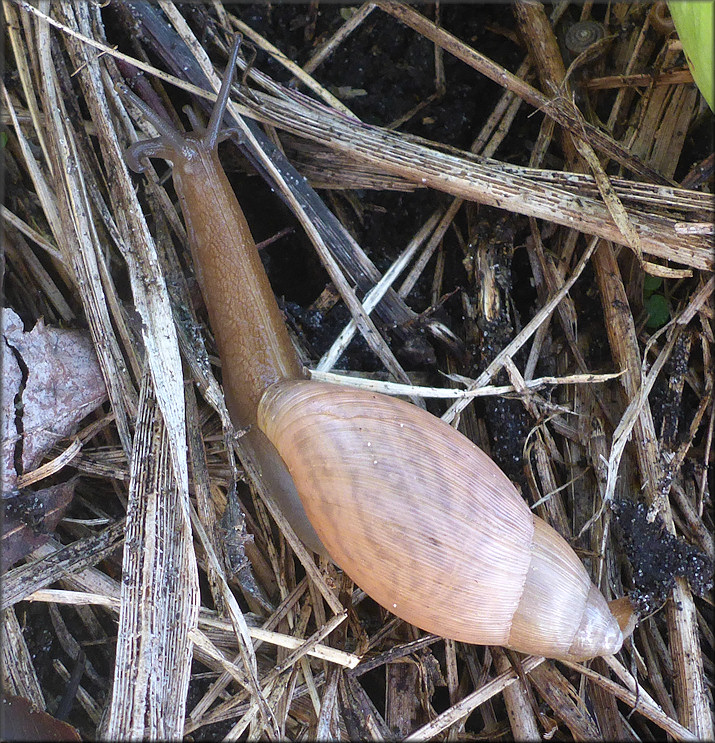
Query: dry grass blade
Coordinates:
[208,623]
[373,297]
[551,107]
[340,35]
[472,701]
[24,580]
[66,210]
[150,294]
[18,673]
[297,71]
[49,468]
[412,390]
[33,235]
[160,585]
[477,180]
[649,707]
[519,703]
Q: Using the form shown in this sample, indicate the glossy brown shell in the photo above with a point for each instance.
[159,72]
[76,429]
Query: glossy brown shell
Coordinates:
[428,526]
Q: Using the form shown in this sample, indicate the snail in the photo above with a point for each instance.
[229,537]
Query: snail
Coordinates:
[582,35]
[660,18]
[415,513]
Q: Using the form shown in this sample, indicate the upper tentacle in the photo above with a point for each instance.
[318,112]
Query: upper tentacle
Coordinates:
[171,143]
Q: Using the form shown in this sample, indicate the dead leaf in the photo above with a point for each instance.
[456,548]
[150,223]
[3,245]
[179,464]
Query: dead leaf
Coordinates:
[51,381]
[22,721]
[30,518]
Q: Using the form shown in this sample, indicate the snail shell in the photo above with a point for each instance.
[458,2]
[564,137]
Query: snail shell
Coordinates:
[582,35]
[660,18]
[428,525]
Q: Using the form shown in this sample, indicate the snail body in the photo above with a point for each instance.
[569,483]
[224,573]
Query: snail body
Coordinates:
[415,513]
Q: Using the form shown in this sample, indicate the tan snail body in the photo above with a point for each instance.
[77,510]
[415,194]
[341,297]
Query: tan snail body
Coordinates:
[416,514]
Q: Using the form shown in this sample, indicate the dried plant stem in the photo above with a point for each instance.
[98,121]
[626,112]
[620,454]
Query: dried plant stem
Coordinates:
[551,107]
[471,178]
[464,707]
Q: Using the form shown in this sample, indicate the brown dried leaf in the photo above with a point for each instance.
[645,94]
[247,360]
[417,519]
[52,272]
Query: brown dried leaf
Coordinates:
[22,721]
[30,518]
[62,384]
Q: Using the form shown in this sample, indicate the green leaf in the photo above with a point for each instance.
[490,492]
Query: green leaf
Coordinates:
[695,23]
[650,284]
[658,312]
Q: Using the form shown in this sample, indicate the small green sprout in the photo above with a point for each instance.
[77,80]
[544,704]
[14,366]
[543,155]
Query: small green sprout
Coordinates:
[656,305]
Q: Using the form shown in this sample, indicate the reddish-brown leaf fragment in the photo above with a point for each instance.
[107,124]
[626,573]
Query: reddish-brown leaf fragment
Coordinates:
[30,518]
[21,721]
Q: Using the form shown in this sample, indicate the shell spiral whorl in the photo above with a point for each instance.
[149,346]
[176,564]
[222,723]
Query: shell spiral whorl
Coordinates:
[583,35]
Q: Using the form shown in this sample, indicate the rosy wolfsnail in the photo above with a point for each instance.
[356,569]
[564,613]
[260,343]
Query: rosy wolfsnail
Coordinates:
[416,514]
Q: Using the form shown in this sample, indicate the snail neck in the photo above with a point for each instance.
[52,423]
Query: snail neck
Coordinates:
[252,339]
